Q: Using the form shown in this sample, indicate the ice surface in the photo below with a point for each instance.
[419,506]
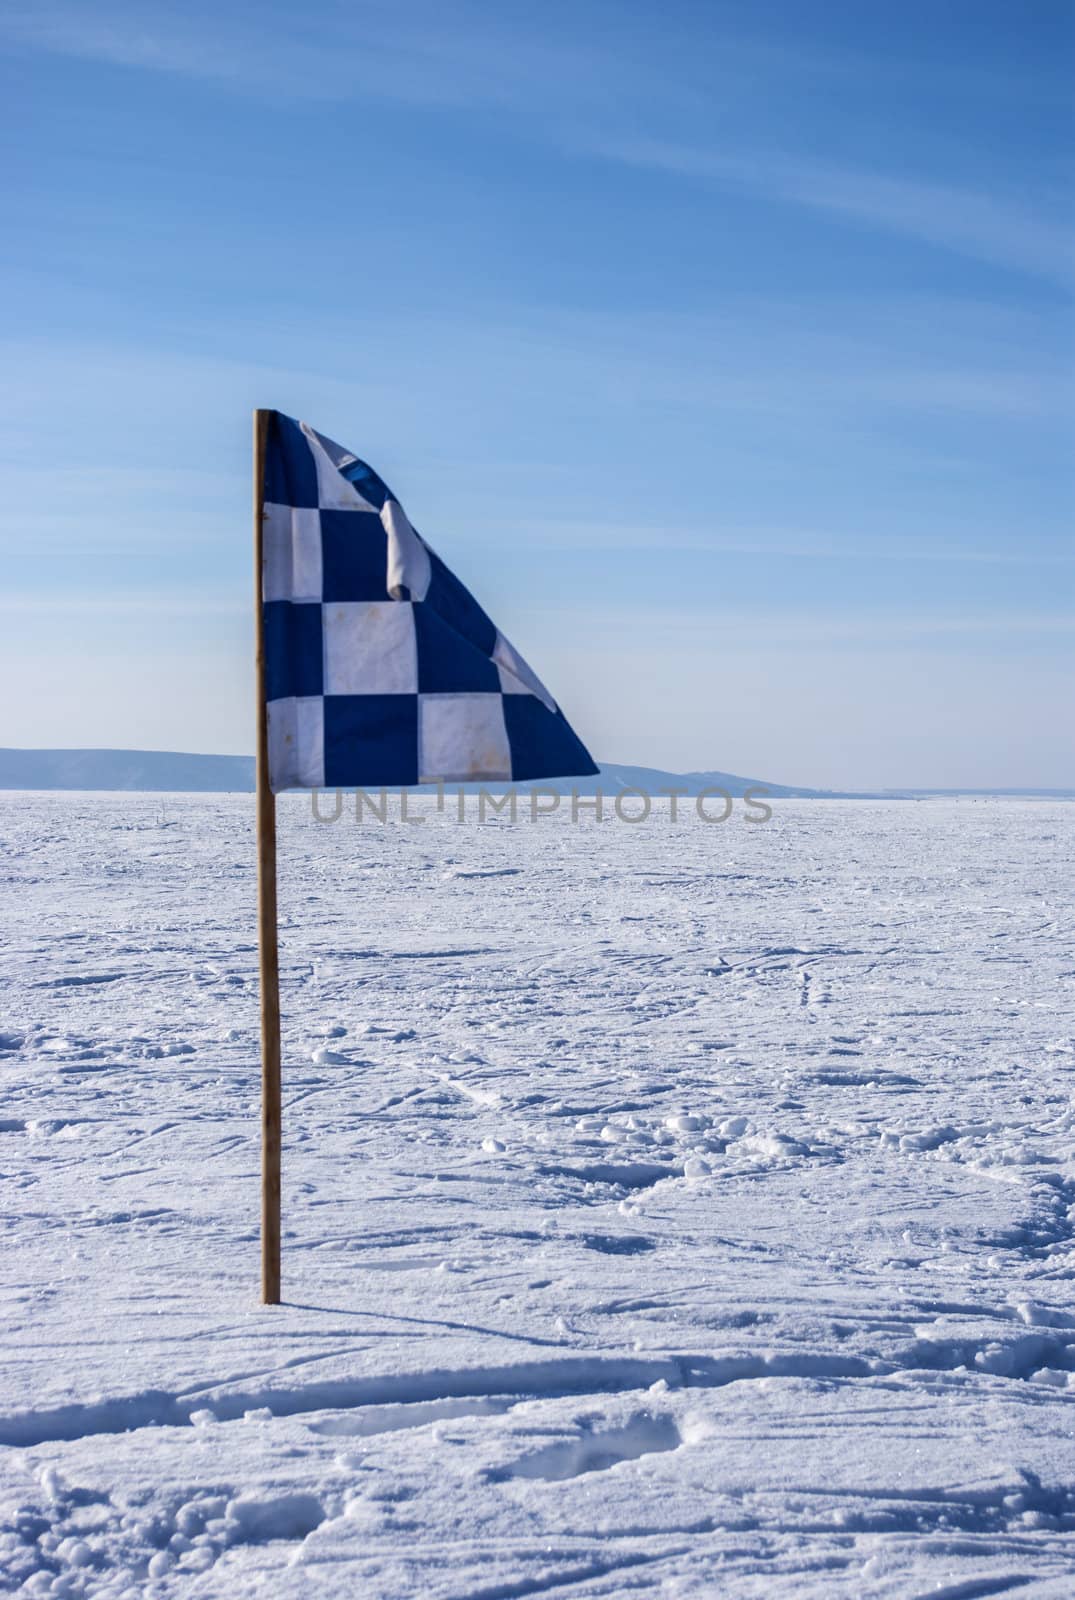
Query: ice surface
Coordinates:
[670,1209]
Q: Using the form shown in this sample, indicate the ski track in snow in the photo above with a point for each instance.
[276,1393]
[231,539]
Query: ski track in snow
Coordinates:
[669,1210]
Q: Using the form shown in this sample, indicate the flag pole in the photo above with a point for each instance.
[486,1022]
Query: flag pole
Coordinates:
[268,949]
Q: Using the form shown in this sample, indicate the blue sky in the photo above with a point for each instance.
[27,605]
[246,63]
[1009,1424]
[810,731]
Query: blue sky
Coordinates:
[724,349]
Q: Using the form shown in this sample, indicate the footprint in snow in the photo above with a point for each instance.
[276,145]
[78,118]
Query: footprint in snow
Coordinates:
[643,1435]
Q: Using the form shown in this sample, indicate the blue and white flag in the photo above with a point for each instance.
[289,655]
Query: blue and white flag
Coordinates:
[381,669]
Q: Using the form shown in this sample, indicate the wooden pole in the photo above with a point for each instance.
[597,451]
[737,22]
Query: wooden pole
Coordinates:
[268,949]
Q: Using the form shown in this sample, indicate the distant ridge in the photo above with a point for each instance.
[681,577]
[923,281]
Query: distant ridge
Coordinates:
[173,771]
[124,769]
[170,770]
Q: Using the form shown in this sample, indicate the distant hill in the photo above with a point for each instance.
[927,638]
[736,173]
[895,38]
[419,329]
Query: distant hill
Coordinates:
[124,769]
[169,770]
[651,780]
[173,771]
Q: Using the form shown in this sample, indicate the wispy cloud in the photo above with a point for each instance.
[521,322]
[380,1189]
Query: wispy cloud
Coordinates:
[140,605]
[797,543]
[686,630]
[581,91]
[119,38]
[954,218]
[366,50]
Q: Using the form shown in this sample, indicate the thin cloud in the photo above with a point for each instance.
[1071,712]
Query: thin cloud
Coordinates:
[570,88]
[950,217]
[138,604]
[369,51]
[805,544]
[693,630]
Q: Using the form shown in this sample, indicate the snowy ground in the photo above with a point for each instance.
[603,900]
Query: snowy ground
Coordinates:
[670,1210]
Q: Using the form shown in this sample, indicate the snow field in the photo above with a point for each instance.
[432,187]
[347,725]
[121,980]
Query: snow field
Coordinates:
[670,1210]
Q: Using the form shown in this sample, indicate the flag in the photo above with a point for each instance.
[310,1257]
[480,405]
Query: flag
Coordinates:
[380,668]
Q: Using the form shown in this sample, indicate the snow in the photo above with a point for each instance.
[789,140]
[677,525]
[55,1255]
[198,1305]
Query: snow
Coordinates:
[670,1209]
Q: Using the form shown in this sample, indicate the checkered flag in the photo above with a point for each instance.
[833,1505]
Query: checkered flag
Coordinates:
[381,669]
